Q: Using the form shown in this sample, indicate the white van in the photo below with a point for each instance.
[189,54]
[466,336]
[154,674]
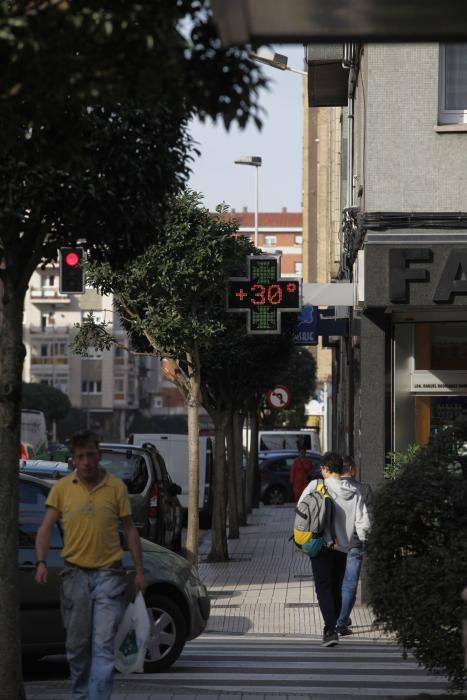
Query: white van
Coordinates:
[34,431]
[288,440]
[174,450]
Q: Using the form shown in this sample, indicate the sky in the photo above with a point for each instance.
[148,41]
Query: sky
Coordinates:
[279,143]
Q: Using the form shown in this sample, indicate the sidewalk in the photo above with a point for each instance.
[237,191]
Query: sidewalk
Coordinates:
[265,589]
[267,586]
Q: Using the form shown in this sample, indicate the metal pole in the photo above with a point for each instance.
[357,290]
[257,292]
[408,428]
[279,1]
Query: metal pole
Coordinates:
[257,206]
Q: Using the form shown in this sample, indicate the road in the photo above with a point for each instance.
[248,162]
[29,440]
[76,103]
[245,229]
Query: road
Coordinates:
[272,666]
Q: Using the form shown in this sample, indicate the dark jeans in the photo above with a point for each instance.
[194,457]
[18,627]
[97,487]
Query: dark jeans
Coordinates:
[328,572]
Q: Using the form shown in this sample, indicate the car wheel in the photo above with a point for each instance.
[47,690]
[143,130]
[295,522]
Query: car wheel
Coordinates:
[168,633]
[275,496]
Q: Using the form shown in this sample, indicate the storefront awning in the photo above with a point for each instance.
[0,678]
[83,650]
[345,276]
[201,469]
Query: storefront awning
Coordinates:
[303,21]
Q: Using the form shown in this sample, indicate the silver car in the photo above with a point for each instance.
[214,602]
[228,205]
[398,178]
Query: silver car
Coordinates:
[176,598]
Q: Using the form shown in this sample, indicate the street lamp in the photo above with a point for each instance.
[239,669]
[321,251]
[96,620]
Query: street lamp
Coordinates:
[256,162]
[273,59]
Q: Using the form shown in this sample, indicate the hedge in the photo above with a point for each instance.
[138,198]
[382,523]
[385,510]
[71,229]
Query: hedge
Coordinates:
[417,556]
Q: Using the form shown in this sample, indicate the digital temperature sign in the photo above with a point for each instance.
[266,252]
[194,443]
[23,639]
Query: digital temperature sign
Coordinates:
[263,295]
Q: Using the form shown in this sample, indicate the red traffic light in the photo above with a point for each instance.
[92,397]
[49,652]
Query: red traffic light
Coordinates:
[72,259]
[71,262]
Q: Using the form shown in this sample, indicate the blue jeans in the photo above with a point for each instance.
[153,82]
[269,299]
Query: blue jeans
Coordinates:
[349,584]
[92,604]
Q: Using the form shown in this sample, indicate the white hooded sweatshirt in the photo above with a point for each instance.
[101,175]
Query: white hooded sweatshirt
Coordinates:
[351,522]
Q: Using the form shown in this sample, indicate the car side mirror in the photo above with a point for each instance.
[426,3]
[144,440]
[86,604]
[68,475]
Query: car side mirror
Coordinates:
[175,489]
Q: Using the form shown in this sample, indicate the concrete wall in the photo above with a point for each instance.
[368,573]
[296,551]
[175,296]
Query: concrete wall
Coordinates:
[403,163]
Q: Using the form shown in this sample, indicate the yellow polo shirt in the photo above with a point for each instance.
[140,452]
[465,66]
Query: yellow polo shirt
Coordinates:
[90,519]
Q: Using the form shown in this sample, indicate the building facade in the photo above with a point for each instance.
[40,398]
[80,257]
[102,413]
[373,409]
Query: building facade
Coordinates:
[405,246]
[399,372]
[108,386]
[279,233]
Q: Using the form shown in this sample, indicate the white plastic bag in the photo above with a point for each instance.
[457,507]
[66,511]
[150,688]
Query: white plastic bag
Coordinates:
[132,637]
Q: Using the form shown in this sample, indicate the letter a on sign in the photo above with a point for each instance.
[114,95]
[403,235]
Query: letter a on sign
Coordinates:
[453,279]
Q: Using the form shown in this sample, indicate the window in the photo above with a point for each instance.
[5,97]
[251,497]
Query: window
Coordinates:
[298,268]
[54,349]
[270,241]
[92,354]
[453,84]
[91,387]
[298,240]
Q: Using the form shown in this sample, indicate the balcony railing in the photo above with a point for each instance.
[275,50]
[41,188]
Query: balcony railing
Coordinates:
[49,360]
[48,296]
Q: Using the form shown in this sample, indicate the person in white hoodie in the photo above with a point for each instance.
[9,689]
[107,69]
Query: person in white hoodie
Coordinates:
[355,553]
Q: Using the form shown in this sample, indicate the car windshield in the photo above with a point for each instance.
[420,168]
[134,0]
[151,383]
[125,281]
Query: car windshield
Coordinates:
[129,466]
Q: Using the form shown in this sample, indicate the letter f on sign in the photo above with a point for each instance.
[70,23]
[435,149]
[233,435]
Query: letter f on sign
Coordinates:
[400,274]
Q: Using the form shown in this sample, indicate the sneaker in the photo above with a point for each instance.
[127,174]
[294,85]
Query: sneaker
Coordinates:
[343,631]
[330,638]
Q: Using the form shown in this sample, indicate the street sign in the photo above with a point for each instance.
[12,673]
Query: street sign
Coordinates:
[264,294]
[278,397]
[306,329]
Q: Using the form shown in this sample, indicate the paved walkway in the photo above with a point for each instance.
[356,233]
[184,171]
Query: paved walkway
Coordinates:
[267,586]
[265,589]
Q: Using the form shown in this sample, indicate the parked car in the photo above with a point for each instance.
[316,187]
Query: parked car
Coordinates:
[274,468]
[156,509]
[177,600]
[49,470]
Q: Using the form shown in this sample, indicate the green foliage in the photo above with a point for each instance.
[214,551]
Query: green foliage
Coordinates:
[41,397]
[94,107]
[397,461]
[417,556]
[298,374]
[56,54]
[168,296]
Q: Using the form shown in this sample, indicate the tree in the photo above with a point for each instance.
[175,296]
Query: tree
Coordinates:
[165,299]
[48,399]
[299,376]
[236,370]
[94,105]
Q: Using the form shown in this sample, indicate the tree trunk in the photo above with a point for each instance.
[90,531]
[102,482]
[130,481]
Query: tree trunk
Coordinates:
[253,479]
[193,405]
[232,469]
[219,550]
[237,424]
[11,365]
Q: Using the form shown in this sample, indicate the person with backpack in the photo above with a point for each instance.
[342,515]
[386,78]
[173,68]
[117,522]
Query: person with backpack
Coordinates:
[300,472]
[314,534]
[354,554]
[329,515]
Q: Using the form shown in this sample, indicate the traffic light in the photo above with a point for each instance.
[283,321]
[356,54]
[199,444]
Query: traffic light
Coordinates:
[71,270]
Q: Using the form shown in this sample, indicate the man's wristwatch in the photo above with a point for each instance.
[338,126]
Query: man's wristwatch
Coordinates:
[41,561]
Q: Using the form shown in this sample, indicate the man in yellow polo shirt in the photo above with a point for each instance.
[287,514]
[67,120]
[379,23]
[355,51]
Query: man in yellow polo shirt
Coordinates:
[91,504]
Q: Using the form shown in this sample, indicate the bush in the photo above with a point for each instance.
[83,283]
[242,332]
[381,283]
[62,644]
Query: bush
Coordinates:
[417,556]
[398,460]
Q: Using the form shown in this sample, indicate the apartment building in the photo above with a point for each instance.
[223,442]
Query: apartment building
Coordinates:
[400,371]
[279,233]
[108,386]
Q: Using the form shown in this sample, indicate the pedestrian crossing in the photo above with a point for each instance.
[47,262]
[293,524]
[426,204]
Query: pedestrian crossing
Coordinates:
[296,666]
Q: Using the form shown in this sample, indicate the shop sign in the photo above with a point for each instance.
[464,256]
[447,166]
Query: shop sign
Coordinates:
[433,275]
[441,382]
